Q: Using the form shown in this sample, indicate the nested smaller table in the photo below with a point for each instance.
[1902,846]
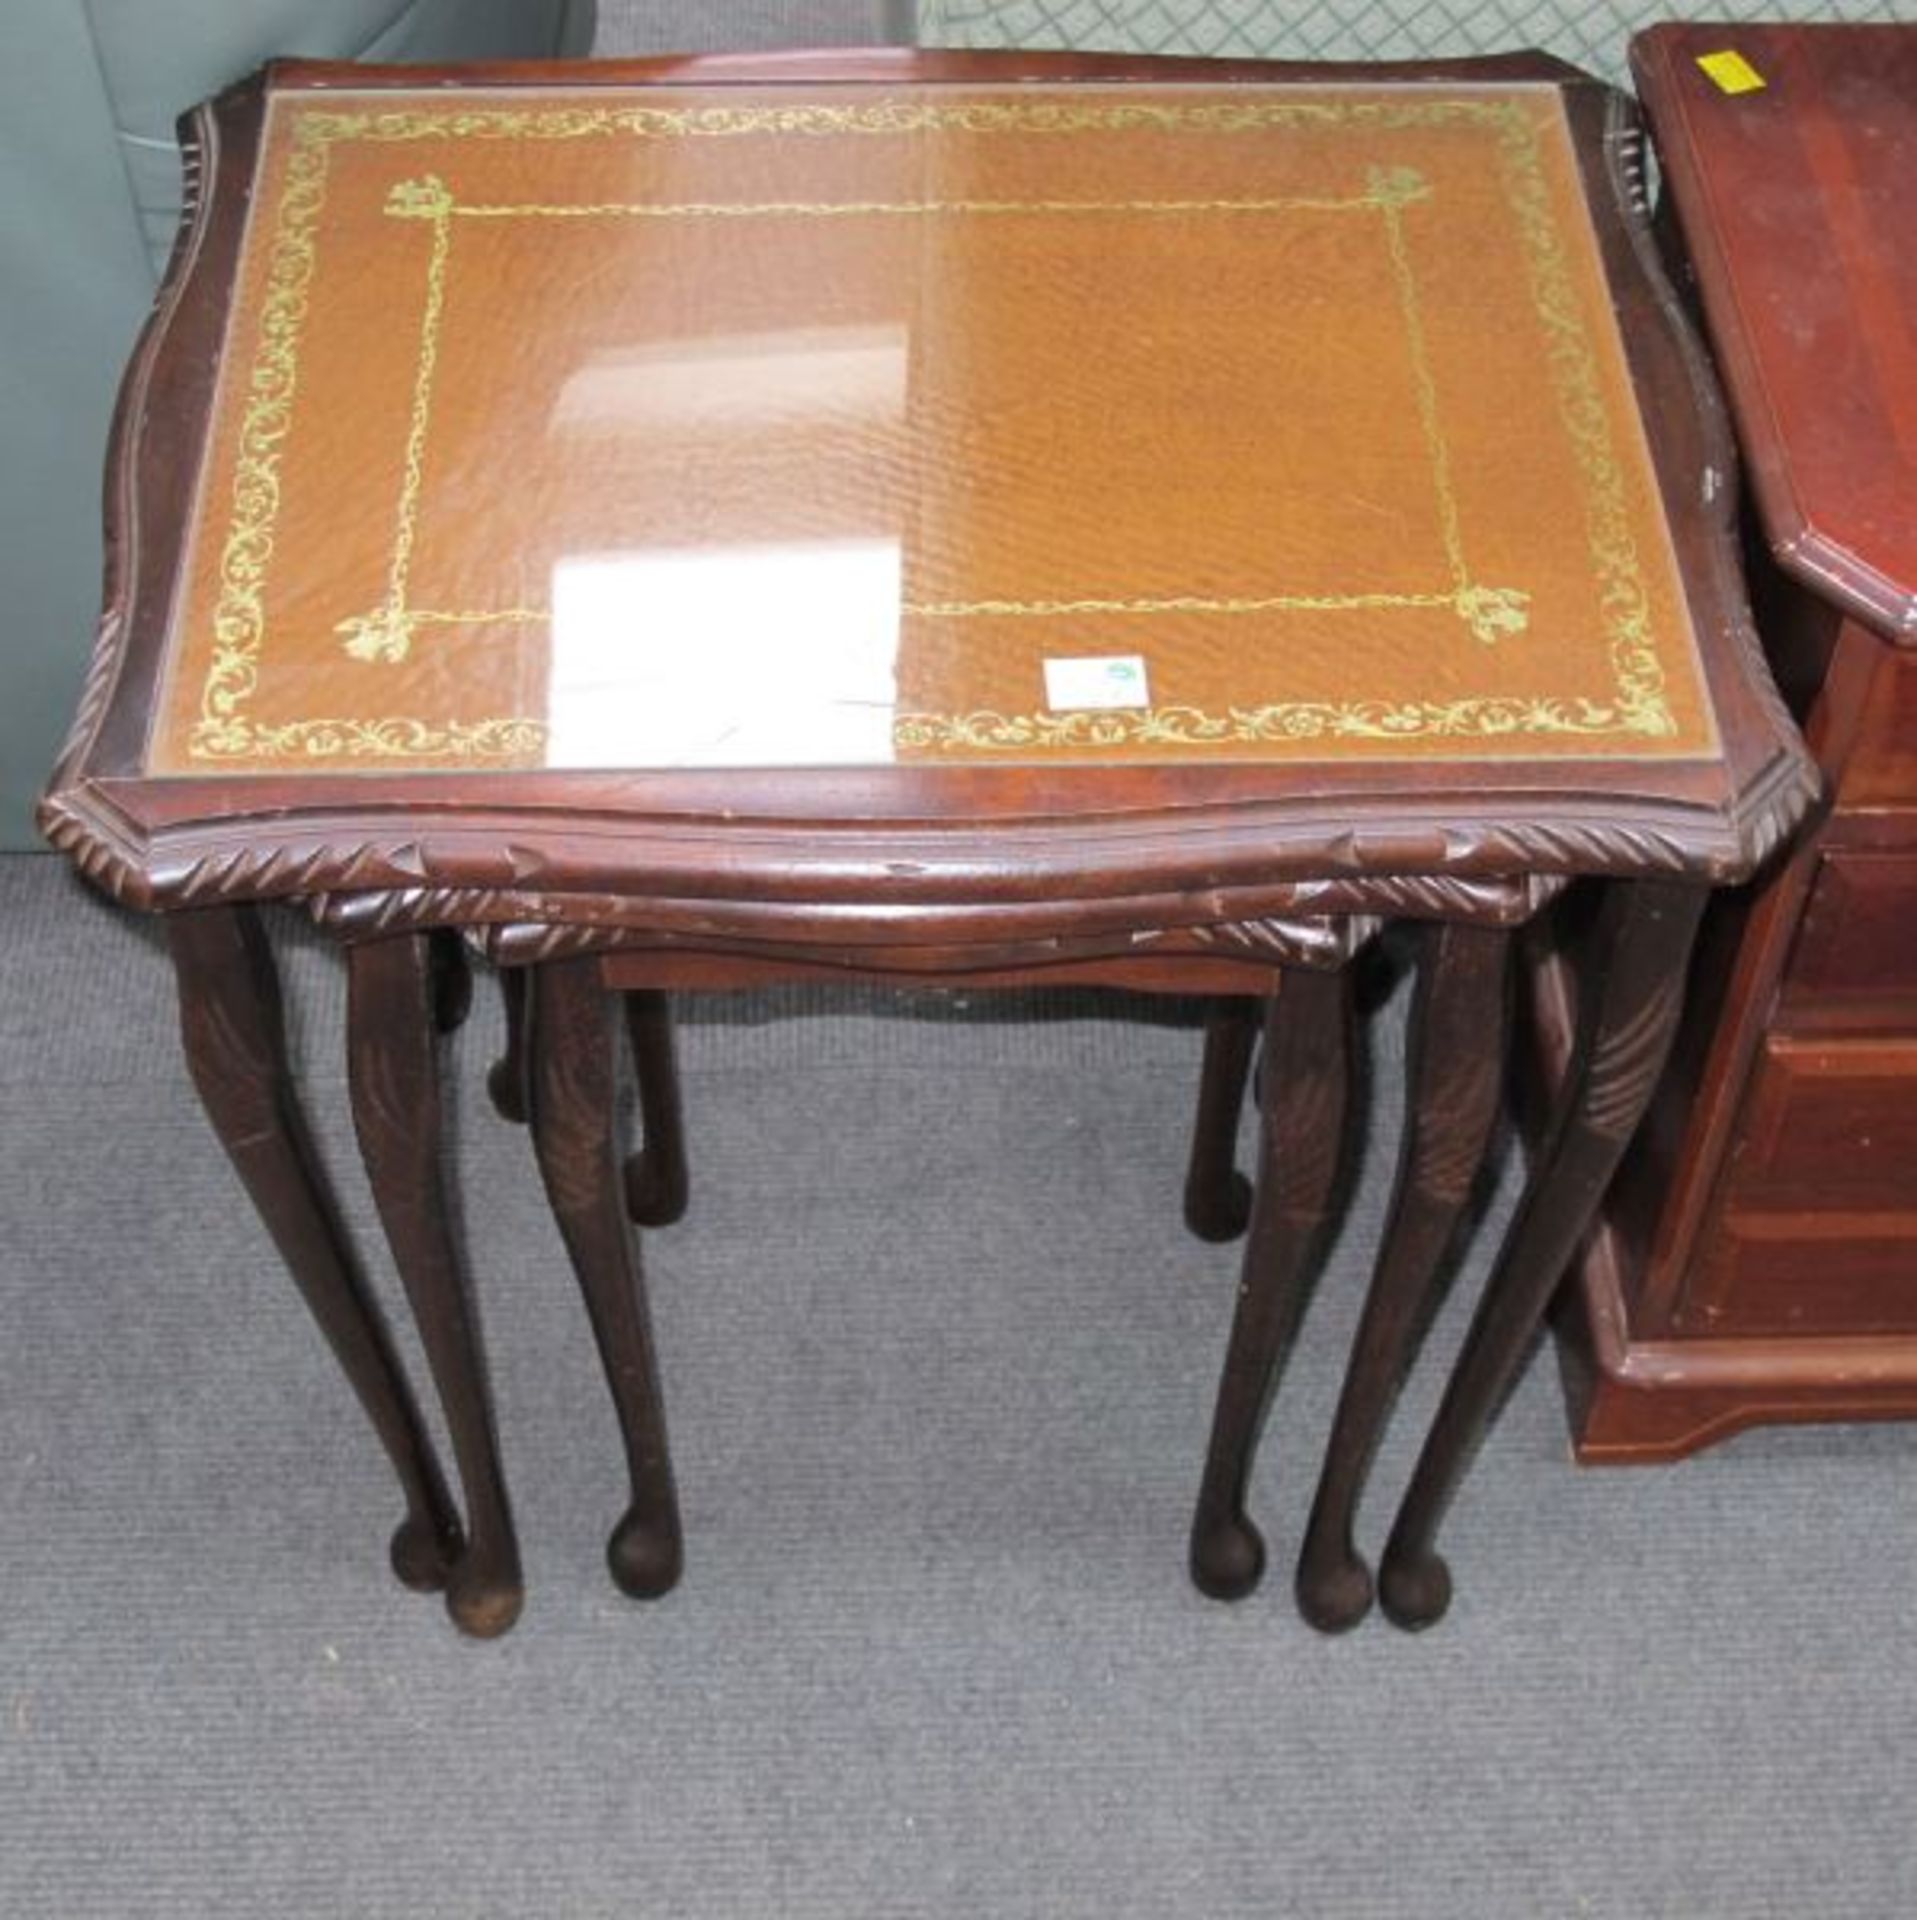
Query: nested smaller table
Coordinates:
[920,515]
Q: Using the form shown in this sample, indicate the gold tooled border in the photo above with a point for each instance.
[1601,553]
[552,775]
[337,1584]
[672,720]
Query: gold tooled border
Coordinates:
[224,732]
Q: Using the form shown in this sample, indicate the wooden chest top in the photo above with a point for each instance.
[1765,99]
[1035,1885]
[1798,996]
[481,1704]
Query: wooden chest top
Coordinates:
[1797,191]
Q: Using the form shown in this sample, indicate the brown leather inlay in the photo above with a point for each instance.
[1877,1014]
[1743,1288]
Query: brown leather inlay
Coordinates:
[631,426]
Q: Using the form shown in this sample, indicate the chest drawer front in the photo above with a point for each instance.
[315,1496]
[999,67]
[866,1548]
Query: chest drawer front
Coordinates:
[1882,771]
[1857,943]
[1788,1275]
[1830,1126]
[1817,1226]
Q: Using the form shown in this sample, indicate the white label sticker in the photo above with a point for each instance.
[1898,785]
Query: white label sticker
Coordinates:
[1104,680]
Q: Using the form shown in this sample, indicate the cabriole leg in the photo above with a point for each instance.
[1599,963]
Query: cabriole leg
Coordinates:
[573,1118]
[1454,1073]
[393,1068]
[1217,1195]
[234,1035]
[1302,1102]
[656,1180]
[1630,999]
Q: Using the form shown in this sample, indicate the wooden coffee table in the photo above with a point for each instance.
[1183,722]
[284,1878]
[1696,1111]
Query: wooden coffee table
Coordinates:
[924,516]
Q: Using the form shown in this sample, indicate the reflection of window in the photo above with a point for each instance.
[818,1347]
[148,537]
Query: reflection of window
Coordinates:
[725,656]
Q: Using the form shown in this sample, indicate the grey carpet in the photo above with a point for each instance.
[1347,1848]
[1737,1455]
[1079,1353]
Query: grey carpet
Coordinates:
[939,1358]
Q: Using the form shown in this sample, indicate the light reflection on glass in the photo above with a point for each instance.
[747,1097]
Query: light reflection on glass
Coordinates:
[740,638]
[728,656]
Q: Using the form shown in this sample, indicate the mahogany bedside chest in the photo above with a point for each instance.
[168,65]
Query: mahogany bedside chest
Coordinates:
[926,518]
[1759,1260]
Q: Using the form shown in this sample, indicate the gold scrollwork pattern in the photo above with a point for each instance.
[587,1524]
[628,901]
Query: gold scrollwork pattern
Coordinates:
[1288,720]
[514,739]
[1642,703]
[894,116]
[223,730]
[239,612]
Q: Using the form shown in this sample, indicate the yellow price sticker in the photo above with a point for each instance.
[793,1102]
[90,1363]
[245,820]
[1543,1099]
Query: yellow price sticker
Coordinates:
[1731,72]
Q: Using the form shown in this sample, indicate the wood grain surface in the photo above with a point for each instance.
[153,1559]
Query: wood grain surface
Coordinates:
[1799,203]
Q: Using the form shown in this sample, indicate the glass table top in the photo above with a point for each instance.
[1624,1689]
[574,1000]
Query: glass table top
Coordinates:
[625,427]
